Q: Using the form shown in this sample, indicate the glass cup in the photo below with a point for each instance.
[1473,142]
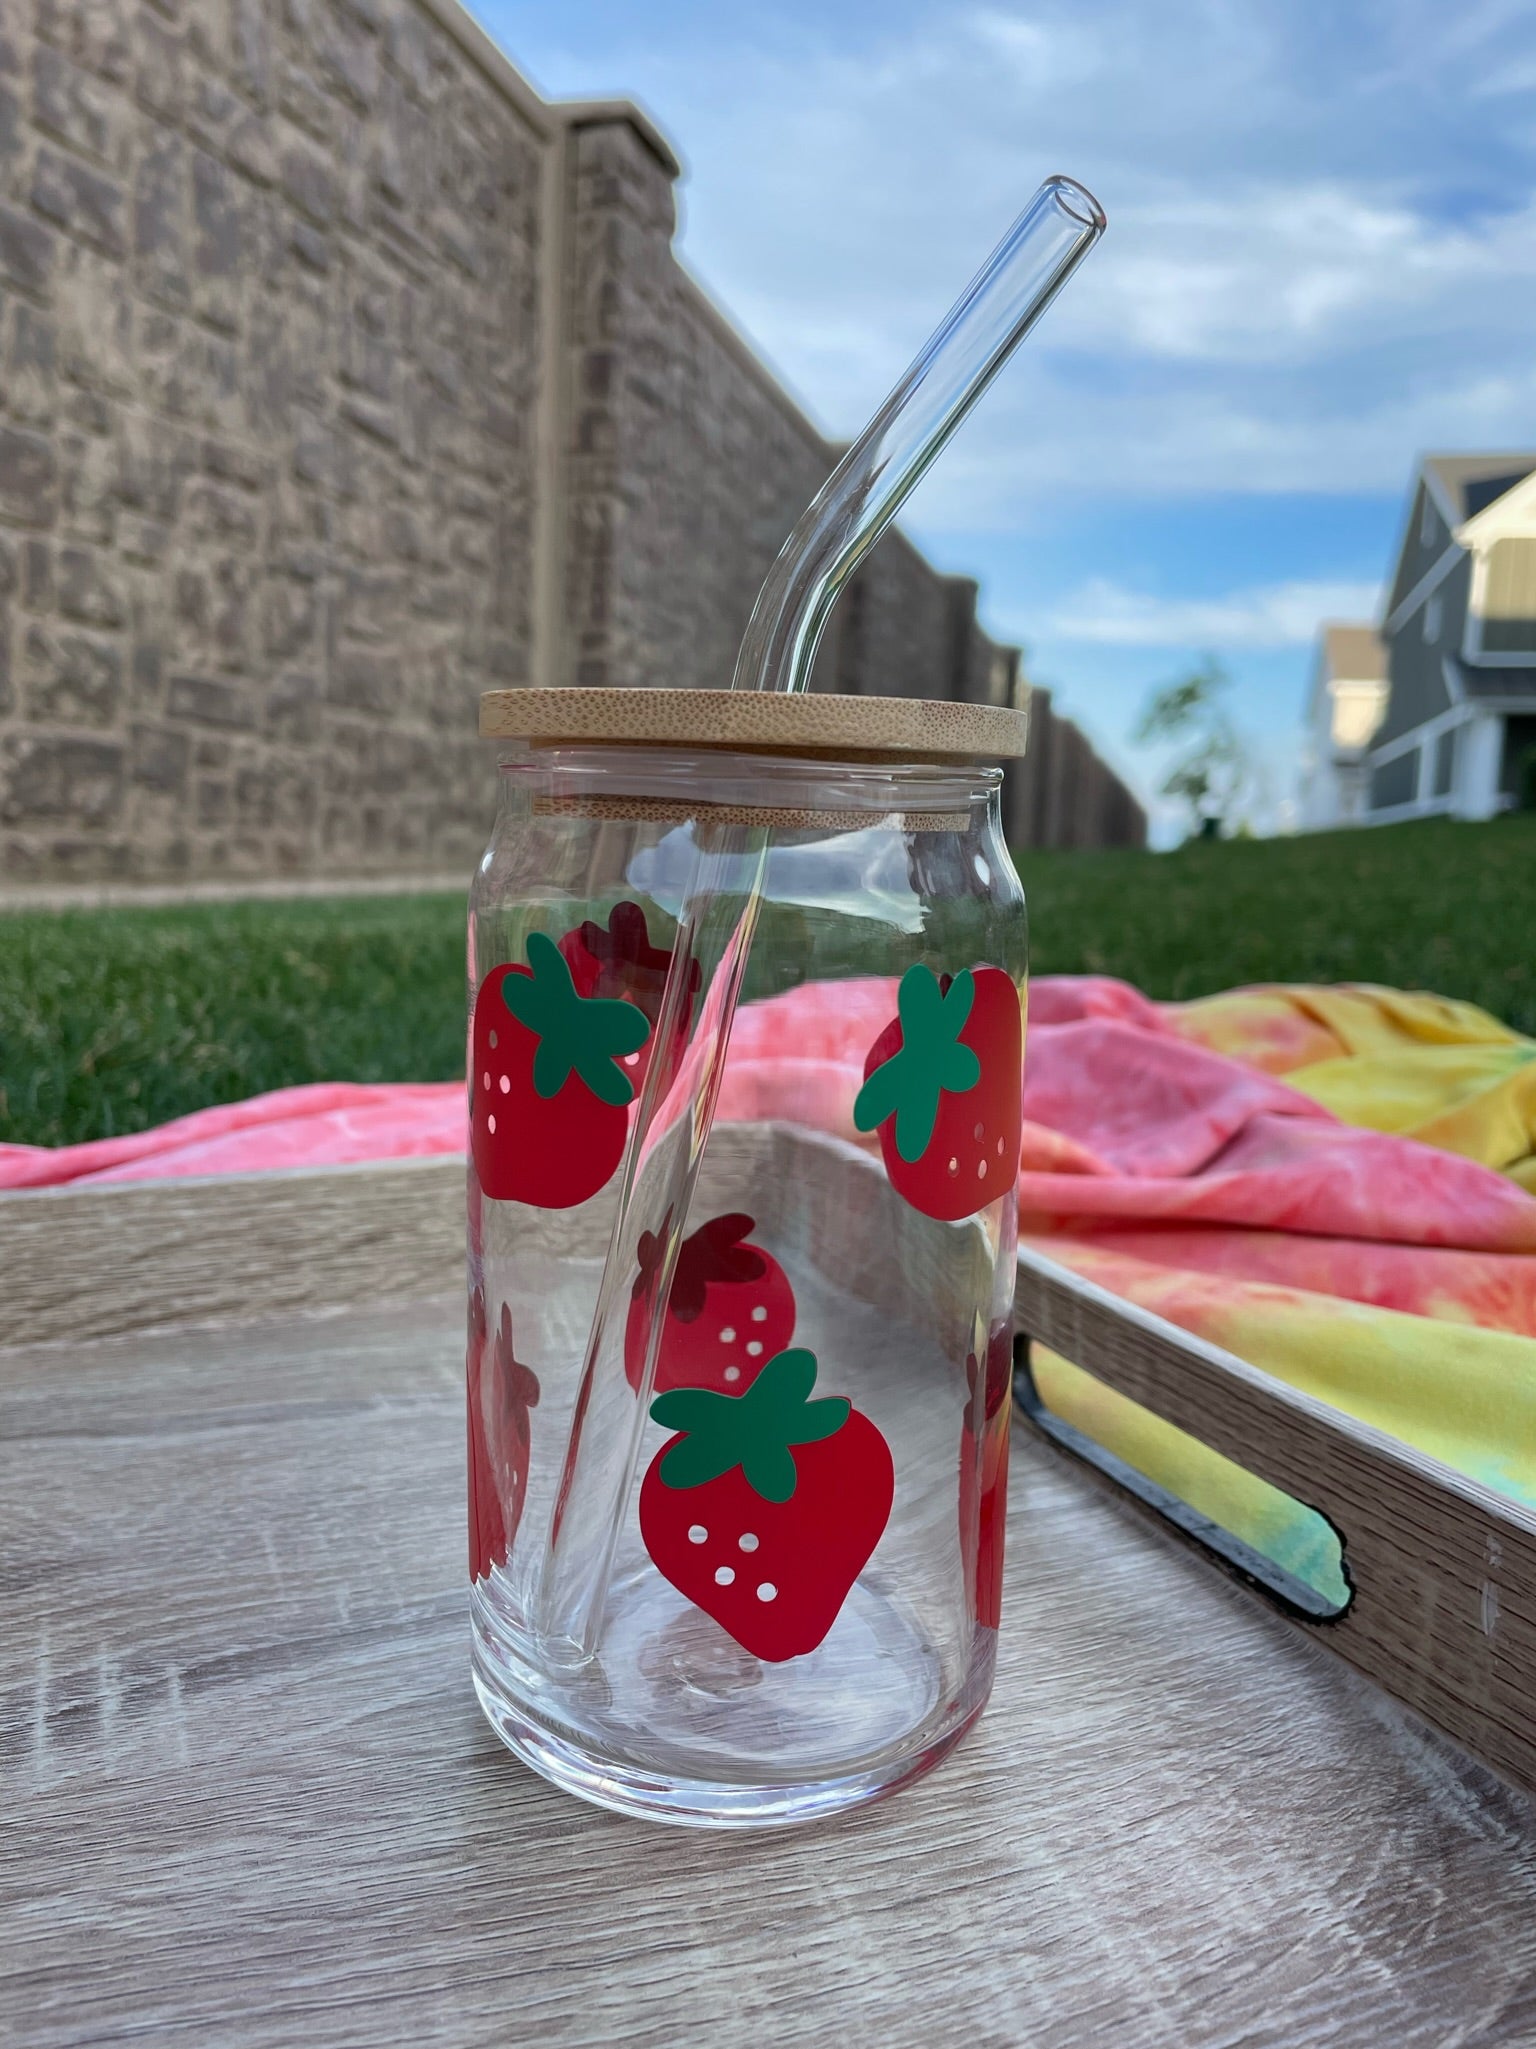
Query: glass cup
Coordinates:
[739,1388]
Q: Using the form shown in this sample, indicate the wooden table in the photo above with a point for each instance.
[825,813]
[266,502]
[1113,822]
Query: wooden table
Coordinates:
[249,1798]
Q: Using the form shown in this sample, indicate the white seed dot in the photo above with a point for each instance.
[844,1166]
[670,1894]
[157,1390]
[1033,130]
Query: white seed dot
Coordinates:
[733,1373]
[728,1335]
[999,1148]
[506,1084]
[755,1349]
[979,1133]
[493,1042]
[954,1166]
[485,1081]
[490,1125]
[981,1170]
[748,1542]
[759,1314]
[724,1575]
[631,1059]
[767,1591]
[698,1534]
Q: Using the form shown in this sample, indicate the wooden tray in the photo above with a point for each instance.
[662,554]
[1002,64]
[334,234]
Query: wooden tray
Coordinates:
[249,1800]
[1441,1571]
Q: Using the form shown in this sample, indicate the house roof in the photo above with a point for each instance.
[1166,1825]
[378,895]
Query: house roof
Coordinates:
[1471,483]
[1485,682]
[1354,654]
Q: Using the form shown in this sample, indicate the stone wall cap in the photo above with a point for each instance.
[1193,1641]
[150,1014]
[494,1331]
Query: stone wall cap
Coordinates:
[758,721]
[600,113]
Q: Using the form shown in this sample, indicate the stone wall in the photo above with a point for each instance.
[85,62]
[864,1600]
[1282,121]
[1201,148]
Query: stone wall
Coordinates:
[683,475]
[269,335]
[340,379]
[1063,795]
[687,465]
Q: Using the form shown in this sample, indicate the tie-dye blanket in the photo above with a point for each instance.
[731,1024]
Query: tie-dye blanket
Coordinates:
[1339,1184]
[1331,1183]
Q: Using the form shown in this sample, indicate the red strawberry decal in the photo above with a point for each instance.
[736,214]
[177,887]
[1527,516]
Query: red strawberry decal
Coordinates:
[501,1392]
[764,1508]
[730,1310]
[943,1085]
[619,961]
[549,1090]
[984,1478]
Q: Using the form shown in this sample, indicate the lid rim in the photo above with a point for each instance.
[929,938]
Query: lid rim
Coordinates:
[749,721]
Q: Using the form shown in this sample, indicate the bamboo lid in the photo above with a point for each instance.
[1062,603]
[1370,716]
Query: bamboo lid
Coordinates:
[758,722]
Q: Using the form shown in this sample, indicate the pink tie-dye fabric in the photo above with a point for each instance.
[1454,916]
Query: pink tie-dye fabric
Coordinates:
[1135,1135]
[325,1124]
[1185,1156]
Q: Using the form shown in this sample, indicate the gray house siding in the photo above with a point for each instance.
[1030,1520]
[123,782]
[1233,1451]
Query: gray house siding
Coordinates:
[1396,781]
[1415,666]
[1418,557]
[1445,764]
[1460,717]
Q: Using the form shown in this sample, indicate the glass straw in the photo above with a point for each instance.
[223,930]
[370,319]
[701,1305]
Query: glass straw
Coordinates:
[863,495]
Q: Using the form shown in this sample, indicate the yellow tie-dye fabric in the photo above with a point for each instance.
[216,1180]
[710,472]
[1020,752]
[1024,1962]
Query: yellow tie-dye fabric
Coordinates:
[1424,1067]
[1434,1343]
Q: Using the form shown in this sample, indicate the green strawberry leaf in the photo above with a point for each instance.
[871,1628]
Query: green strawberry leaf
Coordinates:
[756,1430]
[582,1035]
[929,1064]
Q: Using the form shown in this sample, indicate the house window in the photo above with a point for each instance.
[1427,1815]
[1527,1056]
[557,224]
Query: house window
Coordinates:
[1427,523]
[1445,763]
[1434,612]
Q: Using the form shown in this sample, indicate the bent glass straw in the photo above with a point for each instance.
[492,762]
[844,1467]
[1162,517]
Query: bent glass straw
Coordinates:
[863,495]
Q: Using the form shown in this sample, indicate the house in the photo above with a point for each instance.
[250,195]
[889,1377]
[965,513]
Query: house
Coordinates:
[1349,695]
[1460,637]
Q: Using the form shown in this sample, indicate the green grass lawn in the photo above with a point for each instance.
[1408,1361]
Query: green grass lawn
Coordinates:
[1430,906]
[113,1020]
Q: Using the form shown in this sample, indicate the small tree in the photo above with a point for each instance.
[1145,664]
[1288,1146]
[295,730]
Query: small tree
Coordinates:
[1213,776]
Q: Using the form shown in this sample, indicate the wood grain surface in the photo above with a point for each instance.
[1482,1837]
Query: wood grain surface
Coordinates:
[249,1800]
[102,1260]
[764,721]
[1444,1571]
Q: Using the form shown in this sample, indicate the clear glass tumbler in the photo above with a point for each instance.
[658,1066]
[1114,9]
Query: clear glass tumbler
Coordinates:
[739,1390]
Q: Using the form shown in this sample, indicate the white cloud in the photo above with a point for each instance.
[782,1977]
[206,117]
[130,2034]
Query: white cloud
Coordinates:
[1310,273]
[1321,261]
[1273,616]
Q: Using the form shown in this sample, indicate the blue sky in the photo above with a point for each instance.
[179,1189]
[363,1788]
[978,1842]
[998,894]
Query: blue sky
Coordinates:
[1321,262]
